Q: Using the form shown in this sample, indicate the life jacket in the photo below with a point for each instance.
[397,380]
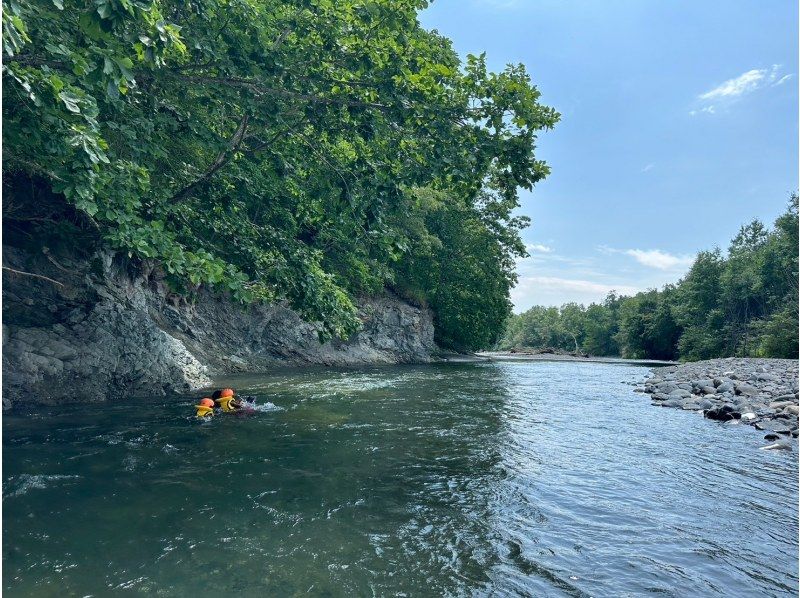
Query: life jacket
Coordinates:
[203,411]
[225,403]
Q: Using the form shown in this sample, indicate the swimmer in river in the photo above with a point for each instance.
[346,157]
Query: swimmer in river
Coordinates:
[205,408]
[226,400]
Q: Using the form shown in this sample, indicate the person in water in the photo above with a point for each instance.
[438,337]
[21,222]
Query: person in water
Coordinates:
[226,400]
[205,408]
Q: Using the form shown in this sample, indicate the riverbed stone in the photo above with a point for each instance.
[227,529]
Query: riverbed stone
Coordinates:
[777,426]
[746,389]
[726,387]
[761,392]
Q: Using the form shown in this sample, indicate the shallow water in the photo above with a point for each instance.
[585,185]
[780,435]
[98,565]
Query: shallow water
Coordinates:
[503,479]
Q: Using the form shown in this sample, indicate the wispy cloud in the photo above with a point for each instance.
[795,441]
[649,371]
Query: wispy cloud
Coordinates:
[582,286]
[653,258]
[661,260]
[737,87]
[538,248]
[554,290]
[649,167]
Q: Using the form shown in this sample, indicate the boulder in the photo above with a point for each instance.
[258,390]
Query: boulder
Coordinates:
[786,397]
[726,386]
[774,425]
[778,446]
[768,378]
[746,389]
[718,414]
[673,402]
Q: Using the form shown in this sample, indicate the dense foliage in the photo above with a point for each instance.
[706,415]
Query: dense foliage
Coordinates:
[306,151]
[742,304]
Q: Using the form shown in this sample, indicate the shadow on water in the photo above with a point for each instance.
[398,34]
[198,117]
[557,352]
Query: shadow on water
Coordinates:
[461,479]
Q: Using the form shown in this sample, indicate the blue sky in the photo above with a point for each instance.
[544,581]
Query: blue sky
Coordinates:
[679,124]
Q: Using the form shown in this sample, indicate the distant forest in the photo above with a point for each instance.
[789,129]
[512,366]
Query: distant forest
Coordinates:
[744,303]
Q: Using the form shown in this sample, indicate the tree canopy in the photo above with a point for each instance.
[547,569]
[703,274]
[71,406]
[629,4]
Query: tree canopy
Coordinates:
[305,151]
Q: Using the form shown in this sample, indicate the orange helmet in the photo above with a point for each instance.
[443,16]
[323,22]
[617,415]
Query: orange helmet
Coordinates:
[207,402]
[227,392]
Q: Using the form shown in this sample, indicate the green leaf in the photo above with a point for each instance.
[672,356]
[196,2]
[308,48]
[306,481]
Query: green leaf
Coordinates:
[71,101]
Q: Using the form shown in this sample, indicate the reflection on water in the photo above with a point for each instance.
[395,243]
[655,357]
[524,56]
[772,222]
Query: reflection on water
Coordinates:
[477,479]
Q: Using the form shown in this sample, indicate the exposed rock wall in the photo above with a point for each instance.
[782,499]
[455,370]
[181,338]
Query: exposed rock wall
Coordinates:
[114,330]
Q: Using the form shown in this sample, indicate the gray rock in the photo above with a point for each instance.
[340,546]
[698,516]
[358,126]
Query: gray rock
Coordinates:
[777,426]
[675,403]
[746,389]
[778,446]
[680,392]
[726,387]
[791,398]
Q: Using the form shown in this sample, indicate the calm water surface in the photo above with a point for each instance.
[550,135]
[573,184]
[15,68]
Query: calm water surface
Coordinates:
[501,479]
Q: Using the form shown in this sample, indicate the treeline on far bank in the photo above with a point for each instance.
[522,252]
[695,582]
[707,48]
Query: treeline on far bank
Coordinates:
[744,303]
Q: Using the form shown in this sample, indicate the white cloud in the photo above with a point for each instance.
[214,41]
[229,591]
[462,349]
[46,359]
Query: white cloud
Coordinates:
[648,168]
[745,83]
[553,290]
[581,286]
[538,248]
[653,258]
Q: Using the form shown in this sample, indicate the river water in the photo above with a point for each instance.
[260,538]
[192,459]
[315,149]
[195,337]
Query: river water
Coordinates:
[501,479]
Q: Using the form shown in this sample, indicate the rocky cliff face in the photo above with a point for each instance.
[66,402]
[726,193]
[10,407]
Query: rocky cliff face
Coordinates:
[113,330]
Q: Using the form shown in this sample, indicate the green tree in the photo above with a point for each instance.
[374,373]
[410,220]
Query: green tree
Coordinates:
[265,148]
[602,326]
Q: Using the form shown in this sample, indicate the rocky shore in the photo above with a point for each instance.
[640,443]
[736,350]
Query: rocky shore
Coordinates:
[758,392]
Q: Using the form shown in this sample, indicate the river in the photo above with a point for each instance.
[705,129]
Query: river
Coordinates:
[502,479]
